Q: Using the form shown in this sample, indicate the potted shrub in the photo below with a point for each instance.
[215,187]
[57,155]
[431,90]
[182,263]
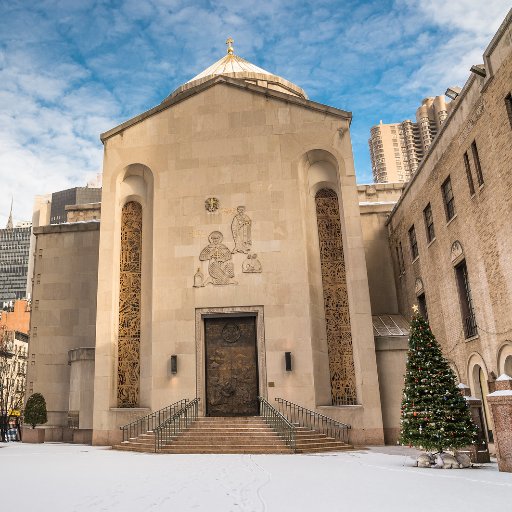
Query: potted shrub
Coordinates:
[35,414]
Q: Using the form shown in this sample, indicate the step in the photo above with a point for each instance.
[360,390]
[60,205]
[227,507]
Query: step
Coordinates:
[248,434]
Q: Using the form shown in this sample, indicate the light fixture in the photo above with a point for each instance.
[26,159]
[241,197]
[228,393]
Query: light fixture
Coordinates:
[288,361]
[174,364]
[453,92]
[478,70]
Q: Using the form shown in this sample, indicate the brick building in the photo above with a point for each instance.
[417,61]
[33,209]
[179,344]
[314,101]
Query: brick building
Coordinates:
[451,231]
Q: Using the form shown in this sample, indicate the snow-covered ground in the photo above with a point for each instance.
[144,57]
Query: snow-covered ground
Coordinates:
[68,478]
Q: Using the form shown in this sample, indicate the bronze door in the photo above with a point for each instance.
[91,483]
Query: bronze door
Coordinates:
[231,366]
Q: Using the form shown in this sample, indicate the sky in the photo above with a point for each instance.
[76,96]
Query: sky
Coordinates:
[71,69]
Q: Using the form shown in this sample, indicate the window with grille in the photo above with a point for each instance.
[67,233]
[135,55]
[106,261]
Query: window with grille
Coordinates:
[429,223]
[468,174]
[508,105]
[466,302]
[448,199]
[422,305]
[413,242]
[400,258]
[478,167]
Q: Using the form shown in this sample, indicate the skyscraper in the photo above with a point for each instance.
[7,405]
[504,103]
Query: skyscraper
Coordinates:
[14,252]
[396,149]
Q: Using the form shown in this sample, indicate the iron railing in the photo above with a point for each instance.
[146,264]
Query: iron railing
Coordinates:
[303,417]
[150,421]
[177,423]
[285,429]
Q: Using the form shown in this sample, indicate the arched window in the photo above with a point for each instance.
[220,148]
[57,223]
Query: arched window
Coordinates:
[334,282]
[481,391]
[128,366]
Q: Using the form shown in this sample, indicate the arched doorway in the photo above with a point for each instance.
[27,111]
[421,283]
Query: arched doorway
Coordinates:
[481,390]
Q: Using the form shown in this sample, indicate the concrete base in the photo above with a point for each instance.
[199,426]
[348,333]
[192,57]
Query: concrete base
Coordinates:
[33,435]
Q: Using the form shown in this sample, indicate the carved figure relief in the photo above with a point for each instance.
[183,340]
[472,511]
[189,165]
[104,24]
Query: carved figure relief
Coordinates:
[456,251]
[198,279]
[231,366]
[211,204]
[220,265]
[241,229]
[128,369]
[334,282]
[251,264]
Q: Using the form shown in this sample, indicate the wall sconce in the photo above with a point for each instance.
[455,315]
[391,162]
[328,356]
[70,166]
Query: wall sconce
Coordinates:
[288,361]
[174,364]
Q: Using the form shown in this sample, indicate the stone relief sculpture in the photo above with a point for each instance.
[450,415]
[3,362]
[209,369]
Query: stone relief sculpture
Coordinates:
[241,229]
[220,265]
[198,279]
[252,264]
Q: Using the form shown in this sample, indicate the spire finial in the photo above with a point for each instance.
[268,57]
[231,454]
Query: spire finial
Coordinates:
[229,44]
[10,224]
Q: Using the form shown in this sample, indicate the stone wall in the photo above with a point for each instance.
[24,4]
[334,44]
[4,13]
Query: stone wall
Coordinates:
[481,225]
[63,311]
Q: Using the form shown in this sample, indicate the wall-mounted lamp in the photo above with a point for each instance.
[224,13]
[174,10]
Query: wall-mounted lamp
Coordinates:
[174,364]
[288,361]
[453,92]
[479,70]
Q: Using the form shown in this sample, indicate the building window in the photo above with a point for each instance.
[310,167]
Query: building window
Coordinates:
[449,202]
[414,243]
[336,302]
[468,174]
[400,258]
[422,305]
[508,104]
[128,366]
[478,167]
[466,303]
[429,223]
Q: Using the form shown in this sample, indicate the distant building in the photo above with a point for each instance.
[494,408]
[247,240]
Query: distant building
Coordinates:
[396,149]
[14,255]
[71,196]
[15,316]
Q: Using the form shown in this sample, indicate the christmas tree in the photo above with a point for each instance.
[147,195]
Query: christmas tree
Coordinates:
[434,413]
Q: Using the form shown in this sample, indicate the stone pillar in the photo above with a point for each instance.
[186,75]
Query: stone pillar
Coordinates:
[500,403]
[478,452]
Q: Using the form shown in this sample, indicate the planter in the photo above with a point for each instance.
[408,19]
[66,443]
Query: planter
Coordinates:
[33,435]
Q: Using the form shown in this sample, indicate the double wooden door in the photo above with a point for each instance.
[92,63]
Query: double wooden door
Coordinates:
[231,366]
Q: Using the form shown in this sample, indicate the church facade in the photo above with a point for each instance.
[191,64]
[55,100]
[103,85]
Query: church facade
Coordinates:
[230,235]
[234,258]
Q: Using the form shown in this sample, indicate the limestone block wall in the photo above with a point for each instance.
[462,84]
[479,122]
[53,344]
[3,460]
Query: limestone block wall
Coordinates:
[230,142]
[481,226]
[63,310]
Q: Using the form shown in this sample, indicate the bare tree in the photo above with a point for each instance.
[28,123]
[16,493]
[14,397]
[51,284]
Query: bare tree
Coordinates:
[13,369]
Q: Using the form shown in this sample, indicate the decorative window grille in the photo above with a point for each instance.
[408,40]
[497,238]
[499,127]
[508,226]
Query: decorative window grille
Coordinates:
[337,315]
[128,365]
[466,302]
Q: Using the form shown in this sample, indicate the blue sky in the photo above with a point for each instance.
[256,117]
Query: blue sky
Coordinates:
[71,69]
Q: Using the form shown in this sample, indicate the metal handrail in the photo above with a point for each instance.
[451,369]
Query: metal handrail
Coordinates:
[313,420]
[177,423]
[286,430]
[150,421]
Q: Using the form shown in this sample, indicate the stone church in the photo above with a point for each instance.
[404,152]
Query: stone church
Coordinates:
[235,258]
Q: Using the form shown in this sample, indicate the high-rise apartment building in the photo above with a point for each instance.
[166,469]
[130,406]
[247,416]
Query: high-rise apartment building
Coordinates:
[14,251]
[396,149]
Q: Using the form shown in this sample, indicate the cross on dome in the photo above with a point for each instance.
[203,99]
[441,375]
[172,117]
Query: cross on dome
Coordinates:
[229,44]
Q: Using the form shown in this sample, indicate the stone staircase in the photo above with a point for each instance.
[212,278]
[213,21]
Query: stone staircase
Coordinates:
[235,435]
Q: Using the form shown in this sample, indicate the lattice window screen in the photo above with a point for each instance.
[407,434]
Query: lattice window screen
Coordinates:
[334,281]
[128,369]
